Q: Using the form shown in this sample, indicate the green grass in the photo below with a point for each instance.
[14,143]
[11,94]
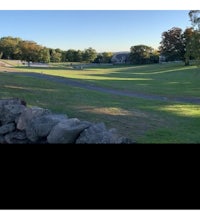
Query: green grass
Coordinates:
[13,63]
[145,121]
[170,80]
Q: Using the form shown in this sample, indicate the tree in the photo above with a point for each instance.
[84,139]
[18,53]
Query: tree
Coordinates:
[89,55]
[188,44]
[141,54]
[63,56]
[55,56]
[172,44]
[154,56]
[194,46]
[78,56]
[30,51]
[44,55]
[106,57]
[99,58]
[70,55]
[195,18]
[9,47]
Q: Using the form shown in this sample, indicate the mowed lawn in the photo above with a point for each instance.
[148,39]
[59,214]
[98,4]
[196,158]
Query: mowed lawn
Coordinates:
[169,80]
[145,121]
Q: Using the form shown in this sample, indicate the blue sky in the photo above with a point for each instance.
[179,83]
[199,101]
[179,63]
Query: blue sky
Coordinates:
[103,30]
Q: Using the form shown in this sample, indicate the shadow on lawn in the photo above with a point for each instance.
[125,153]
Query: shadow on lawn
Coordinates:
[152,124]
[44,68]
[131,72]
[140,87]
[145,121]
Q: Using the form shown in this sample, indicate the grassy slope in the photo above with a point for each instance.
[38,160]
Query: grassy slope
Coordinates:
[168,79]
[12,63]
[145,121]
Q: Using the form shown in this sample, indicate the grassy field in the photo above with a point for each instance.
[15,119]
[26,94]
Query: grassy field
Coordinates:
[165,79]
[145,121]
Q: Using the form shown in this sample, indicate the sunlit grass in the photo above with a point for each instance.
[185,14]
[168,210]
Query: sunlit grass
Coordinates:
[145,121]
[186,110]
[169,80]
[142,120]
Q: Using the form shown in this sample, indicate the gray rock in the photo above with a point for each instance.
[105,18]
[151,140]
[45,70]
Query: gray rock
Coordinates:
[9,113]
[28,114]
[41,126]
[12,101]
[16,137]
[66,132]
[19,124]
[97,134]
[2,140]
[7,128]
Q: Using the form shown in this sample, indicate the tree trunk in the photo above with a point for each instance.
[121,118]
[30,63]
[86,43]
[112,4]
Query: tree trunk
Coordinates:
[187,62]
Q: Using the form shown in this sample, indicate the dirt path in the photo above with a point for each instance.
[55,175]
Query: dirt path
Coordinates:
[107,90]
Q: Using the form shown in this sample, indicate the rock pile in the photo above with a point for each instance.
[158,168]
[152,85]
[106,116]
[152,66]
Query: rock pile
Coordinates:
[20,124]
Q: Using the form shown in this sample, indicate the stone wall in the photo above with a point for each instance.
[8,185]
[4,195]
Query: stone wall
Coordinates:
[20,124]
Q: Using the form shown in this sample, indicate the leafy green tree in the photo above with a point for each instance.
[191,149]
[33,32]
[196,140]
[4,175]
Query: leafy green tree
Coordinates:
[154,56]
[99,58]
[89,55]
[140,54]
[63,56]
[107,57]
[104,57]
[172,44]
[195,18]
[194,45]
[78,56]
[70,55]
[44,55]
[55,56]
[30,51]
[188,37]
[9,47]
[74,55]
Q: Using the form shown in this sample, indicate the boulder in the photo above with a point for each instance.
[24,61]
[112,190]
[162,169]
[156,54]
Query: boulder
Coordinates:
[2,140]
[41,126]
[7,128]
[10,112]
[16,137]
[28,114]
[12,101]
[98,134]
[24,125]
[66,132]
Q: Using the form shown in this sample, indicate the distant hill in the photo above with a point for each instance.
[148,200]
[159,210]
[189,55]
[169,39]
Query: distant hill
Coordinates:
[121,52]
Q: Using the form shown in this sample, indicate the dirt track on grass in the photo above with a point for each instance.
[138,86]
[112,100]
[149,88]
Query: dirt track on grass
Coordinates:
[70,82]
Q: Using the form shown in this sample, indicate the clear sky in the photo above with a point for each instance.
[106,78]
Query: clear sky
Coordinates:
[103,30]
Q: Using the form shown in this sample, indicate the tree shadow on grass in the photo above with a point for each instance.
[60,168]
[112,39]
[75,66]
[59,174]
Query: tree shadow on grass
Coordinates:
[145,121]
[44,68]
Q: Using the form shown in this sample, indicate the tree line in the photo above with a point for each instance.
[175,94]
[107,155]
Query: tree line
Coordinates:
[30,51]
[16,48]
[182,45]
[175,45]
